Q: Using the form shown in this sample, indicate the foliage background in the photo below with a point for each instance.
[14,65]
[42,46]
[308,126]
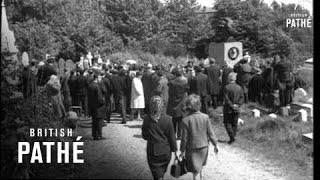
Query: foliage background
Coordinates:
[68,28]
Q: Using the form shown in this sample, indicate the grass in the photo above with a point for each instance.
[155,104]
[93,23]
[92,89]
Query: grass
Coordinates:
[278,140]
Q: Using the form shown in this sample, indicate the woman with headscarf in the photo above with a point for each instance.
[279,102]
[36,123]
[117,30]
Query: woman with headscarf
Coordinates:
[196,134]
[158,130]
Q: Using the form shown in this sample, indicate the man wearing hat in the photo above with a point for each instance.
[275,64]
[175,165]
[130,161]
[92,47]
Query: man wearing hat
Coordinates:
[234,98]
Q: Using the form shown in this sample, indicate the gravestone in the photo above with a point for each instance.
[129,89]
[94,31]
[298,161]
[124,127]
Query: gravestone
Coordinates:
[256,113]
[284,111]
[25,59]
[307,138]
[240,121]
[303,115]
[272,115]
[299,94]
[296,106]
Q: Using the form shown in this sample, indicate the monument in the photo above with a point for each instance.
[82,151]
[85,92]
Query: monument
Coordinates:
[8,49]
[226,51]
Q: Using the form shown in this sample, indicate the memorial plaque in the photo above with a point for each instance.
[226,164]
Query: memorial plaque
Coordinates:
[228,51]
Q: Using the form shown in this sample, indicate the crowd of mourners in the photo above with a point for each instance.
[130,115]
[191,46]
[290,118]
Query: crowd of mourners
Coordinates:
[173,101]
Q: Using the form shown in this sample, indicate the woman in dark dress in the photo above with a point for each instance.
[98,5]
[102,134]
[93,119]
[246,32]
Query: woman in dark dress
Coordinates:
[158,130]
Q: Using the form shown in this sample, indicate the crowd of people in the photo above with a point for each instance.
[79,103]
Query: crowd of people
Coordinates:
[173,101]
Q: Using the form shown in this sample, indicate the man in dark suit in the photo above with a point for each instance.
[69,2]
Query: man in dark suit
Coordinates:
[72,87]
[155,79]
[147,86]
[96,108]
[226,70]
[106,88]
[199,85]
[81,83]
[119,85]
[178,89]
[243,78]
[213,72]
[162,89]
[285,82]
[234,98]
[256,87]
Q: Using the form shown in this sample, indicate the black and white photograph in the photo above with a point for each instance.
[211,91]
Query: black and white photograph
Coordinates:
[157,89]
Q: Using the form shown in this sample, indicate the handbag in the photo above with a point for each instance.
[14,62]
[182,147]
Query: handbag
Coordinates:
[178,168]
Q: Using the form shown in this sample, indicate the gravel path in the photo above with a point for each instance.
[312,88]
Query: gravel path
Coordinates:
[123,156]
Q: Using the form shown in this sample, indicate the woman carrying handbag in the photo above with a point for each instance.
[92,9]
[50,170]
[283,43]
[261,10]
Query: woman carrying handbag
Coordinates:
[196,134]
[158,130]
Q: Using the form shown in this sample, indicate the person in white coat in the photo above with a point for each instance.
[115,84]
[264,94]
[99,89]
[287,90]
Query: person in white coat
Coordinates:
[137,96]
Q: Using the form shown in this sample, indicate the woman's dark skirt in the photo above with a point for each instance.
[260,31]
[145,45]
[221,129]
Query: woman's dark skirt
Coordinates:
[158,157]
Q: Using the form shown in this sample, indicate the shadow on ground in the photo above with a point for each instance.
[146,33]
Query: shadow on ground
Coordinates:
[137,136]
[134,126]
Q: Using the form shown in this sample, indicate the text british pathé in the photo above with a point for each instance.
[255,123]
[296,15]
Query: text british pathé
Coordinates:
[63,148]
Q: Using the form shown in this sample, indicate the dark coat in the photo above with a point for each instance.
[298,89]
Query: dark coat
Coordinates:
[243,78]
[283,70]
[213,73]
[89,79]
[256,86]
[96,101]
[147,86]
[161,142]
[199,85]
[225,73]
[81,85]
[233,94]
[72,85]
[178,88]
[151,131]
[155,79]
[106,87]
[119,85]
[268,76]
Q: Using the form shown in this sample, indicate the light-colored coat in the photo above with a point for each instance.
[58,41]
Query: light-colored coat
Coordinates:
[196,132]
[137,95]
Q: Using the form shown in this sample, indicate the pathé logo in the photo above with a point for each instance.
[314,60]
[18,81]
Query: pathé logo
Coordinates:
[299,20]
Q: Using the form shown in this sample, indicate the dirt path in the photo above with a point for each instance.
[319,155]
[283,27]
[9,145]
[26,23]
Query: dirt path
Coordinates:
[123,156]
